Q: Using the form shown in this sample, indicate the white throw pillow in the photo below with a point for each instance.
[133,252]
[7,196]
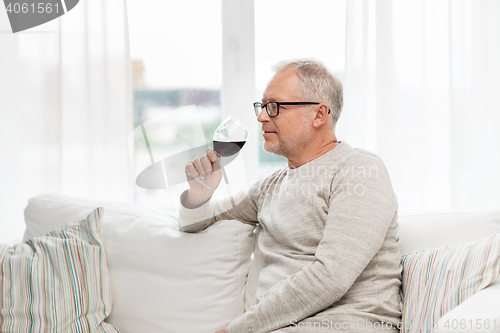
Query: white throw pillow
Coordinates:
[163,280]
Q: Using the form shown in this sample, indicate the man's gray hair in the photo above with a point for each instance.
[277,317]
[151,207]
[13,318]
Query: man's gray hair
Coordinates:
[317,83]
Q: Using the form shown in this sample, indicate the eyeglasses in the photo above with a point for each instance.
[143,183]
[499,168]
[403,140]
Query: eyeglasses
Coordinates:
[273,108]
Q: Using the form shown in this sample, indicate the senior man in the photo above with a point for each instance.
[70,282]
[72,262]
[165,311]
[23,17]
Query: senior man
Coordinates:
[327,222]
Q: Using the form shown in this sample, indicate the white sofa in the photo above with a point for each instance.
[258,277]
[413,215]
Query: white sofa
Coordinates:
[164,280]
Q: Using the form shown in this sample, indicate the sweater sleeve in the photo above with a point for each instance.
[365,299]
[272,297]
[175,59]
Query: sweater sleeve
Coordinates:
[361,208]
[245,209]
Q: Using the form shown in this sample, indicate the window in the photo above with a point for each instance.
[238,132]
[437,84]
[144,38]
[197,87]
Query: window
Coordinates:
[290,29]
[177,51]
[176,58]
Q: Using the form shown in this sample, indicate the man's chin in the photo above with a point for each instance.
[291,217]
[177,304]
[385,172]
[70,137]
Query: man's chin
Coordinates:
[273,149]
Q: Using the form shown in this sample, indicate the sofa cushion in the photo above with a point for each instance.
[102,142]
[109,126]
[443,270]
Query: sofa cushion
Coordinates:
[58,282]
[437,280]
[431,230]
[163,280]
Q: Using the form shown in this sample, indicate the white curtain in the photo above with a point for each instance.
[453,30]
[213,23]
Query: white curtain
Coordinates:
[422,90]
[65,110]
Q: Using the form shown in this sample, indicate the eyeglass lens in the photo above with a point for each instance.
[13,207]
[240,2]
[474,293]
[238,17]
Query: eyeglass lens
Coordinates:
[272,109]
[257,108]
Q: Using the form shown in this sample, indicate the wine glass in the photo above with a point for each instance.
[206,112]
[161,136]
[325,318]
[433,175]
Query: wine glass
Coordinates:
[230,137]
[228,140]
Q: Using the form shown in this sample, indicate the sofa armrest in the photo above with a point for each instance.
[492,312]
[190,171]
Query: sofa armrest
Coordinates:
[480,313]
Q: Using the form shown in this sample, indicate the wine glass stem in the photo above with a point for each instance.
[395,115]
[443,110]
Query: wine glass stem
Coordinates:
[228,187]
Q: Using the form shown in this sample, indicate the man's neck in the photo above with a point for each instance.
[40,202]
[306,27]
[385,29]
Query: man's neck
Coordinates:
[312,151]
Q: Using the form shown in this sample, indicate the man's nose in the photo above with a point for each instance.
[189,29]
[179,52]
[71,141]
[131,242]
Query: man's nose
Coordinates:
[263,116]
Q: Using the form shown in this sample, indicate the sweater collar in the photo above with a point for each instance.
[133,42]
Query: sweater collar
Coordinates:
[339,149]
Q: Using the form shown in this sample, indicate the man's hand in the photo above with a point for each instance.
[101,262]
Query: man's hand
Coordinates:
[221,331]
[209,168]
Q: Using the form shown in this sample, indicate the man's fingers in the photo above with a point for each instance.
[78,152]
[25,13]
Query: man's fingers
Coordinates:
[191,169]
[199,167]
[216,164]
[212,154]
[206,164]
[214,158]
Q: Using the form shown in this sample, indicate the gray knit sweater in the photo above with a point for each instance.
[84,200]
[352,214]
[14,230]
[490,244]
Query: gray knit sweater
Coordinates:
[327,234]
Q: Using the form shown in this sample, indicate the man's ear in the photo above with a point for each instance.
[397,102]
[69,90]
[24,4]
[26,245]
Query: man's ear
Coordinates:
[321,115]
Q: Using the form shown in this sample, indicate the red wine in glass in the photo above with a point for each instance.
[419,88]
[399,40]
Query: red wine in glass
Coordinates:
[228,140]
[227,148]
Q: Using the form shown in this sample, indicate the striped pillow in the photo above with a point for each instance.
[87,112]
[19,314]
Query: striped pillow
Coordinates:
[58,282]
[437,280]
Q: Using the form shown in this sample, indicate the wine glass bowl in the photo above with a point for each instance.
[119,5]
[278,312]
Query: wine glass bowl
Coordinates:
[228,140]
[230,137]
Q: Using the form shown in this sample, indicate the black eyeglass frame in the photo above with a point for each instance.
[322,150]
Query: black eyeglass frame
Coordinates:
[258,106]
